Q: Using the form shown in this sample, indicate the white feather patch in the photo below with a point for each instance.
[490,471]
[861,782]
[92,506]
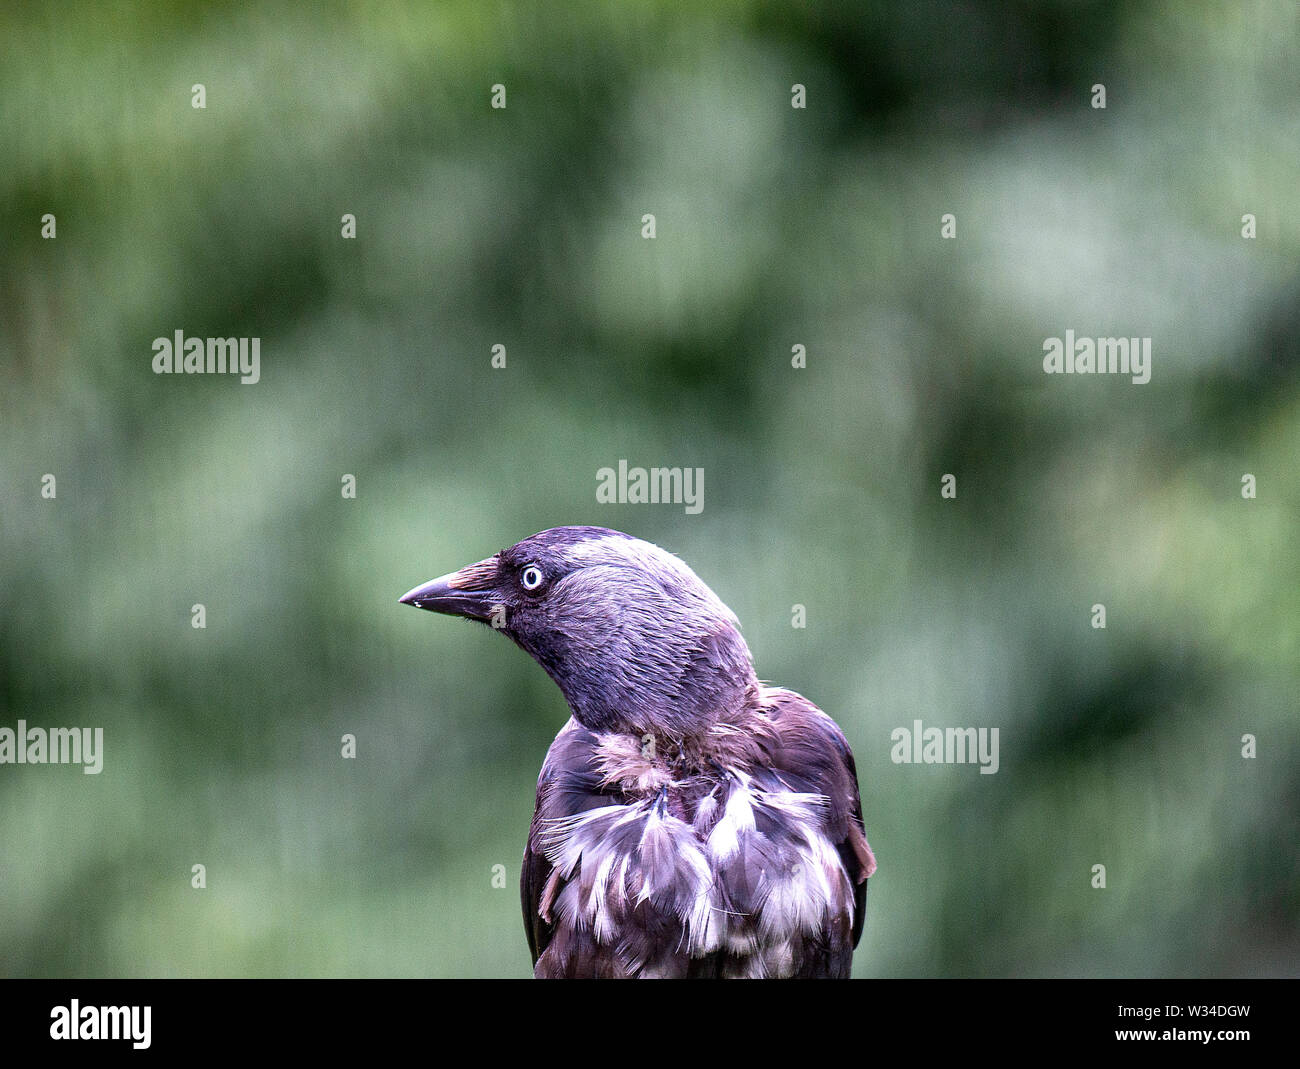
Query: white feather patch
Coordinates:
[618,858]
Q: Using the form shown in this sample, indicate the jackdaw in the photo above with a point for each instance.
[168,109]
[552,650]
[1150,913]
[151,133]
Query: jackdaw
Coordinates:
[690,821]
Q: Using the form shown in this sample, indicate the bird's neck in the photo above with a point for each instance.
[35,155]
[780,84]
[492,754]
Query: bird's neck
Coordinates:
[671,683]
[671,715]
[643,762]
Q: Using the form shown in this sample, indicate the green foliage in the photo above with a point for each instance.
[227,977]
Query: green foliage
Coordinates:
[776,226]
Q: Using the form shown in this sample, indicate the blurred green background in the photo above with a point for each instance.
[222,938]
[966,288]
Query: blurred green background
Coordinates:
[522,227]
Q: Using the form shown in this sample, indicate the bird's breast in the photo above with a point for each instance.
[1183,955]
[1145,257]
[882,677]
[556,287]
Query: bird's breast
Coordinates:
[724,864]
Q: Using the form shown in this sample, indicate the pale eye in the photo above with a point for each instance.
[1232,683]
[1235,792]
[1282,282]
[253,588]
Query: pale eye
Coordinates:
[531,578]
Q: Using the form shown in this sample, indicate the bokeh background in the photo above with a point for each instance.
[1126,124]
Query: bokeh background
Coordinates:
[522,227]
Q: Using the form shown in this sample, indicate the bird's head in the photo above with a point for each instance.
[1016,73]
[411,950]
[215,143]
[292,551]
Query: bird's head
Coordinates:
[633,637]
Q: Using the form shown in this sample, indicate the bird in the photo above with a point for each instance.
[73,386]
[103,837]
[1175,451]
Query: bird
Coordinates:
[690,821]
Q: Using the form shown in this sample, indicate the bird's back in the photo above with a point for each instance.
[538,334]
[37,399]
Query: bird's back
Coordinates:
[741,854]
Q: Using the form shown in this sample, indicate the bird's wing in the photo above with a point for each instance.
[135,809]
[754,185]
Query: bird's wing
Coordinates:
[567,785]
[531,881]
[811,754]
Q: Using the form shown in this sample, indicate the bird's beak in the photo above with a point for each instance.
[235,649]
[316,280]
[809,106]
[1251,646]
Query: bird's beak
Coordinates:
[469,592]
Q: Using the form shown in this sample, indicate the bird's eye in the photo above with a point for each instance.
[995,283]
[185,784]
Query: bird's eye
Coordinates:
[531,577]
